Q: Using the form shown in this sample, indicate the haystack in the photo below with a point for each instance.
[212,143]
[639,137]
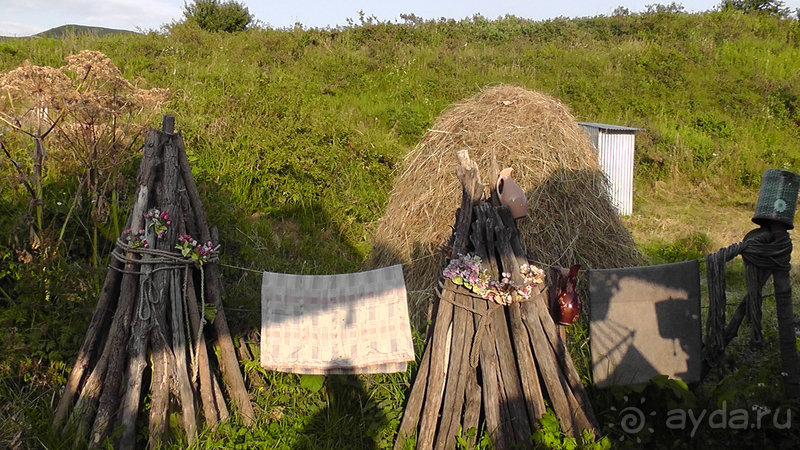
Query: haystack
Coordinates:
[571,217]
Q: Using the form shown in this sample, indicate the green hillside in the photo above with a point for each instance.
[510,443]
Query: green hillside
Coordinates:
[715,93]
[296,136]
[66,30]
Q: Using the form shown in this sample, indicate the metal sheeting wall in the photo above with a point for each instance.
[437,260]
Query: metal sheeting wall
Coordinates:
[594,135]
[615,149]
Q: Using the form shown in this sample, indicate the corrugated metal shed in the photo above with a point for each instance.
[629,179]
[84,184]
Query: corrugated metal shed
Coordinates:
[615,146]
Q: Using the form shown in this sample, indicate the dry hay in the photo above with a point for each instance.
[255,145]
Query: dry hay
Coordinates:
[571,218]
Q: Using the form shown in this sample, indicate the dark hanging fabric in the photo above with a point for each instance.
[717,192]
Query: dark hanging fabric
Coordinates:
[763,255]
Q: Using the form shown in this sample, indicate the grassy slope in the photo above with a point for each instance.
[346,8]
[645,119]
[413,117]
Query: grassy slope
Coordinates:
[295,135]
[716,94]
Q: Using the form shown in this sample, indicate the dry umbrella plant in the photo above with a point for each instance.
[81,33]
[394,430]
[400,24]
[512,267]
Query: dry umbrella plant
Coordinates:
[147,338]
[85,120]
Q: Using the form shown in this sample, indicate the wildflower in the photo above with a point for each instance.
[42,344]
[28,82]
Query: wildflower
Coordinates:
[159,220]
[190,248]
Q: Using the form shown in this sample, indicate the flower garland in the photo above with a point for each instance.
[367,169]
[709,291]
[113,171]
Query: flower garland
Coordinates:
[466,271]
[160,221]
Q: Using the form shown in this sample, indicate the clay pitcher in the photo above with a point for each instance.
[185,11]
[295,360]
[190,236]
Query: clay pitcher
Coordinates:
[511,194]
[567,307]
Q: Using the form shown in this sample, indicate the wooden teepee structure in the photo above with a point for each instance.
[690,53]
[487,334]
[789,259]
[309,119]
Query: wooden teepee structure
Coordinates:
[148,328]
[487,364]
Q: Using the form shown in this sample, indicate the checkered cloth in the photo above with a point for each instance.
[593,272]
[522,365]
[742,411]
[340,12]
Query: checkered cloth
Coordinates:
[335,324]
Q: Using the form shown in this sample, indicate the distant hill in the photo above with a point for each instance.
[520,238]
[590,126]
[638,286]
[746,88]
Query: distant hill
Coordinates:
[63,30]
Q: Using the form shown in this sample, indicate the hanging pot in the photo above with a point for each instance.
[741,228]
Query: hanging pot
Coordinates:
[511,194]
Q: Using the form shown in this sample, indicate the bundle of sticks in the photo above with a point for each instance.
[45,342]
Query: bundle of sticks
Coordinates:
[488,366]
[148,328]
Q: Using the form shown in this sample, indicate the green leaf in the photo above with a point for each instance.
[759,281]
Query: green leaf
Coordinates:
[312,382]
[550,422]
[210,312]
[660,380]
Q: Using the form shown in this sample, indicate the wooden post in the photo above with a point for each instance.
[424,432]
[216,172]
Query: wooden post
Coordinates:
[121,326]
[787,338]
[228,362]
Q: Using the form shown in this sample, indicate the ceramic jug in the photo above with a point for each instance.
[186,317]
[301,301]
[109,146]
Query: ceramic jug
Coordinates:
[567,307]
[511,194]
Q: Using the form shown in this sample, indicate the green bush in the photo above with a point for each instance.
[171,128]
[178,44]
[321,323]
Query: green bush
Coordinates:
[213,15]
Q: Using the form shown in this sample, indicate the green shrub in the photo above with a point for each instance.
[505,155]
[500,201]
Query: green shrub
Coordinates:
[212,15]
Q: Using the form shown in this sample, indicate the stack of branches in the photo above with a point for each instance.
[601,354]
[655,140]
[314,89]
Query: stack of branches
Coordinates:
[149,324]
[485,364]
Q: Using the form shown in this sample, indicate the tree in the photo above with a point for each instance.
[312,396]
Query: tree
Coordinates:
[213,15]
[770,7]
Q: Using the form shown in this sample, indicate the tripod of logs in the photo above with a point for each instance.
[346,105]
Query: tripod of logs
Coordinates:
[485,365]
[148,326]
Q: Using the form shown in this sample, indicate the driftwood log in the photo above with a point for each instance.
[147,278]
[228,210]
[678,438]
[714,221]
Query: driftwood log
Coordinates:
[148,333]
[486,365]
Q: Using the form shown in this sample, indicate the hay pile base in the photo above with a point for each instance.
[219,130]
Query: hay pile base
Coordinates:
[572,219]
[488,366]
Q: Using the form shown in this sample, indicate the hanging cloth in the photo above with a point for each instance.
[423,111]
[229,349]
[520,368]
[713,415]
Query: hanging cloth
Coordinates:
[335,324]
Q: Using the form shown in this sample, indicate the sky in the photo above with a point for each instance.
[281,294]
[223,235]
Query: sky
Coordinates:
[27,17]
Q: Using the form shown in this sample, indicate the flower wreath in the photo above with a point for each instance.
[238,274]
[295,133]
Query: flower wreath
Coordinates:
[466,270]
